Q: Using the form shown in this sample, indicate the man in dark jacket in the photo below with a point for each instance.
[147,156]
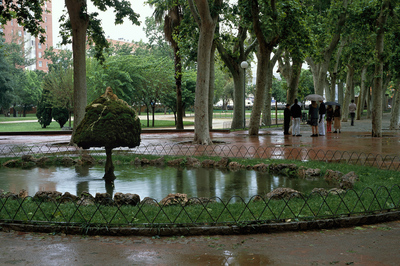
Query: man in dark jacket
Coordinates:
[296,114]
[286,119]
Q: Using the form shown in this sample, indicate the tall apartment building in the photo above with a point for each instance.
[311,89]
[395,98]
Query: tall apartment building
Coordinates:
[16,33]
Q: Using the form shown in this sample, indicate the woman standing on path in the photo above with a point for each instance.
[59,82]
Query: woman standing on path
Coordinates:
[321,122]
[329,118]
[337,116]
[313,114]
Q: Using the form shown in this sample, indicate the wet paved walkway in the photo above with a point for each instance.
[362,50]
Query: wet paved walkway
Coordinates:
[351,139]
[365,245]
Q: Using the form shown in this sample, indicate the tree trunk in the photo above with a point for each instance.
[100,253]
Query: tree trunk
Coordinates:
[79,25]
[233,63]
[319,72]
[369,103]
[330,96]
[109,168]
[69,118]
[340,93]
[202,129]
[178,83]
[395,113]
[291,72]
[153,109]
[347,94]
[207,23]
[175,117]
[211,88]
[266,112]
[266,117]
[331,93]
[387,79]
[294,81]
[238,99]
[148,116]
[378,74]
[263,57]
[363,92]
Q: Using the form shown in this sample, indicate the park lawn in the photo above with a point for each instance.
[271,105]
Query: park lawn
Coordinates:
[163,123]
[54,126]
[28,126]
[18,118]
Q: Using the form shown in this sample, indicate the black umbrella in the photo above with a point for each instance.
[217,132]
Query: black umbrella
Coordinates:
[332,103]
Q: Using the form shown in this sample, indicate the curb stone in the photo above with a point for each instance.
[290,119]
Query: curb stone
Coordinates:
[272,227]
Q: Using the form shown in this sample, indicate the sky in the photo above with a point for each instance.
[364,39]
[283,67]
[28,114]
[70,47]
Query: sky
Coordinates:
[128,31]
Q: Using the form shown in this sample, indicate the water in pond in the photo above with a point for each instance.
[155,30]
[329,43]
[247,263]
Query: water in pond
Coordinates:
[151,182]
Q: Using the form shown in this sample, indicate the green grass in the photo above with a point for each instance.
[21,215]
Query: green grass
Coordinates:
[28,126]
[315,206]
[18,118]
[229,114]
[162,123]
[54,126]
[377,190]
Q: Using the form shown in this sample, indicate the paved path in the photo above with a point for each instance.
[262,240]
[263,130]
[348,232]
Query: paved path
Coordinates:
[352,139]
[366,245]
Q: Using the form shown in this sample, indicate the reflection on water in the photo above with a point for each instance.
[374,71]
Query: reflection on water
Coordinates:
[151,182]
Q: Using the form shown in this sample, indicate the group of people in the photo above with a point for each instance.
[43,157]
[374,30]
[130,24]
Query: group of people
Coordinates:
[317,115]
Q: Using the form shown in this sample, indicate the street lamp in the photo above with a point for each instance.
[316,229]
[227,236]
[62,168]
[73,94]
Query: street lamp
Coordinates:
[244,65]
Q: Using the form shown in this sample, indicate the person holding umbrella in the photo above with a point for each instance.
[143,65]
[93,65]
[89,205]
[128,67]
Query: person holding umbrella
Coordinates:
[313,114]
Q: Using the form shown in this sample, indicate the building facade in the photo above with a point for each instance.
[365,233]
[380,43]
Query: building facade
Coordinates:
[13,32]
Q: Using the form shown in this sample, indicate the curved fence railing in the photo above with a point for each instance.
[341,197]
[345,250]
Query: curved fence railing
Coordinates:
[198,212]
[388,162]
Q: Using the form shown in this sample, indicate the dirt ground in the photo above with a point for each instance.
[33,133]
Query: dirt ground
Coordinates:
[366,245]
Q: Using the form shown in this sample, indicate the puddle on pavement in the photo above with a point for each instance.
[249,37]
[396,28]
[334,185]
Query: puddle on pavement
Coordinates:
[153,182]
[369,136]
[229,258]
[215,142]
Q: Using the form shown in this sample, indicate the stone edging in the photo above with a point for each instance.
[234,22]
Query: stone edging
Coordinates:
[208,230]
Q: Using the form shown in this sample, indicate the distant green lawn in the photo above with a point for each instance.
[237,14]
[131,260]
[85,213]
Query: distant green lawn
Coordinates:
[10,118]
[54,126]
[28,126]
[162,123]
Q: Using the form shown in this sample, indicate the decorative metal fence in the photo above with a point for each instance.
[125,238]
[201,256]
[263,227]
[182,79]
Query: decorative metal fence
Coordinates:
[214,212]
[388,162]
[197,213]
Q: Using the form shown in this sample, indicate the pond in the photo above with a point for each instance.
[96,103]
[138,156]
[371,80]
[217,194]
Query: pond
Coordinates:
[153,182]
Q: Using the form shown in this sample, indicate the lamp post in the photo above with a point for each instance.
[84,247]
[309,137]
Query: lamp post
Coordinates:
[244,65]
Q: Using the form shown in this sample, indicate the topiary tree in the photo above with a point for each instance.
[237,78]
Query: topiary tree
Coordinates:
[109,122]
[61,115]
[43,112]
